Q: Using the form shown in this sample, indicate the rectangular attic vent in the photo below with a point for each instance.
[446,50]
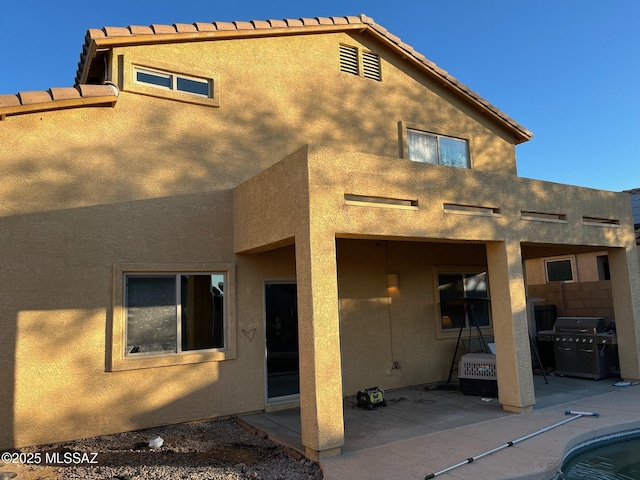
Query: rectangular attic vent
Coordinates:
[359,62]
[371,66]
[349,60]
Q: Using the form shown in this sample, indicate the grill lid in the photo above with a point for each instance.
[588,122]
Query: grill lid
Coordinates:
[579,325]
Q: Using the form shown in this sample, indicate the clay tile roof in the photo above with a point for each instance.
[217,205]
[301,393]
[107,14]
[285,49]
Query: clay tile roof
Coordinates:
[324,21]
[205,27]
[224,25]
[116,31]
[339,21]
[38,96]
[163,29]
[294,22]
[243,25]
[309,21]
[207,31]
[9,101]
[64,93]
[185,27]
[94,33]
[57,98]
[259,24]
[139,30]
[96,90]
[277,23]
[353,19]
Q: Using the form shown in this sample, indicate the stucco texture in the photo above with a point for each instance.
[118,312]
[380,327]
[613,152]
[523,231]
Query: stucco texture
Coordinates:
[169,183]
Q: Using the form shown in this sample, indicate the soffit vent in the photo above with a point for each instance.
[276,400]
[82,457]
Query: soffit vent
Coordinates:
[371,66]
[349,59]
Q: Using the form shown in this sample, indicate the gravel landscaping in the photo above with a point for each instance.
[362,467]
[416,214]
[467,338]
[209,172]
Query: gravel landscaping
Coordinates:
[216,450]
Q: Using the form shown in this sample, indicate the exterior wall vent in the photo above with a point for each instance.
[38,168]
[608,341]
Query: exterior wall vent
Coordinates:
[543,216]
[371,66]
[601,222]
[471,209]
[349,60]
[385,202]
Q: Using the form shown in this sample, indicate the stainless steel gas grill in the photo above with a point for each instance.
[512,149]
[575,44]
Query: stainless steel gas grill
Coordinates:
[583,348]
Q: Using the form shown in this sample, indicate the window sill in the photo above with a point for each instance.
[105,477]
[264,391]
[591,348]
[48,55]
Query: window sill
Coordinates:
[173,95]
[167,360]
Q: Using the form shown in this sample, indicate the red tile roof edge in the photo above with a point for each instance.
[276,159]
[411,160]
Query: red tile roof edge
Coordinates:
[318,22]
[53,98]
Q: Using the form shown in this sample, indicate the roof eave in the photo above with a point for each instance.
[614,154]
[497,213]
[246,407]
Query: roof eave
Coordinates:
[58,99]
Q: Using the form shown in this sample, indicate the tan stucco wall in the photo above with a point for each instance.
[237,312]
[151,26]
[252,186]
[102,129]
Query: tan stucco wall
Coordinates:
[150,181]
[380,326]
[500,225]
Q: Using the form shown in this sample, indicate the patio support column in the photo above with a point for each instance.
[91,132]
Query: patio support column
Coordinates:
[509,313]
[321,407]
[625,279]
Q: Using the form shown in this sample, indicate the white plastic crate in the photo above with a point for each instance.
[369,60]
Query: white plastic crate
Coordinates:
[480,366]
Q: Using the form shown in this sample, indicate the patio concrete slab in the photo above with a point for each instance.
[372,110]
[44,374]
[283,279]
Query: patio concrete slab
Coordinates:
[422,432]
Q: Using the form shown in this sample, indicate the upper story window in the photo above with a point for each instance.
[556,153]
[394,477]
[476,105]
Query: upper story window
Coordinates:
[169,81]
[360,62]
[437,149]
[173,81]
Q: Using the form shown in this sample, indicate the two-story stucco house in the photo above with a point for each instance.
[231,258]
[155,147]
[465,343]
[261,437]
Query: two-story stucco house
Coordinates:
[222,218]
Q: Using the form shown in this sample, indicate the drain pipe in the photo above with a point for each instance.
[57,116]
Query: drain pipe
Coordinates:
[512,443]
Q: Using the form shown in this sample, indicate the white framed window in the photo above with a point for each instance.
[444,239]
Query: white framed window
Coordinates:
[560,270]
[168,81]
[432,148]
[454,287]
[173,81]
[174,313]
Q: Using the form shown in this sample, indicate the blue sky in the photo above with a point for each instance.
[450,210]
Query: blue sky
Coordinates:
[568,70]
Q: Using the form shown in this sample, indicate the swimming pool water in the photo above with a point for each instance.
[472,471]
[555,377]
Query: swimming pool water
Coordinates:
[616,458]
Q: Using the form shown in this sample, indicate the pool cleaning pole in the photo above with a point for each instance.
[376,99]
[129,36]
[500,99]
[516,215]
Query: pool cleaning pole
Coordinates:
[512,443]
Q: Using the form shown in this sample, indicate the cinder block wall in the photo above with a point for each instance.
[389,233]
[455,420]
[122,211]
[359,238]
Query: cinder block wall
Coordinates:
[579,299]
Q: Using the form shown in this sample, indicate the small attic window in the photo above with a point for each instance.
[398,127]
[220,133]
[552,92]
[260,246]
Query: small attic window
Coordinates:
[173,81]
[359,62]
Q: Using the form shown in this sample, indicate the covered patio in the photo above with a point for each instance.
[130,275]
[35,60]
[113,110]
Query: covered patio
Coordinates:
[422,410]
[358,221]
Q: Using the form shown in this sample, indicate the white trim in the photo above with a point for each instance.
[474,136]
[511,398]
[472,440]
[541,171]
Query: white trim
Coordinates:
[173,78]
